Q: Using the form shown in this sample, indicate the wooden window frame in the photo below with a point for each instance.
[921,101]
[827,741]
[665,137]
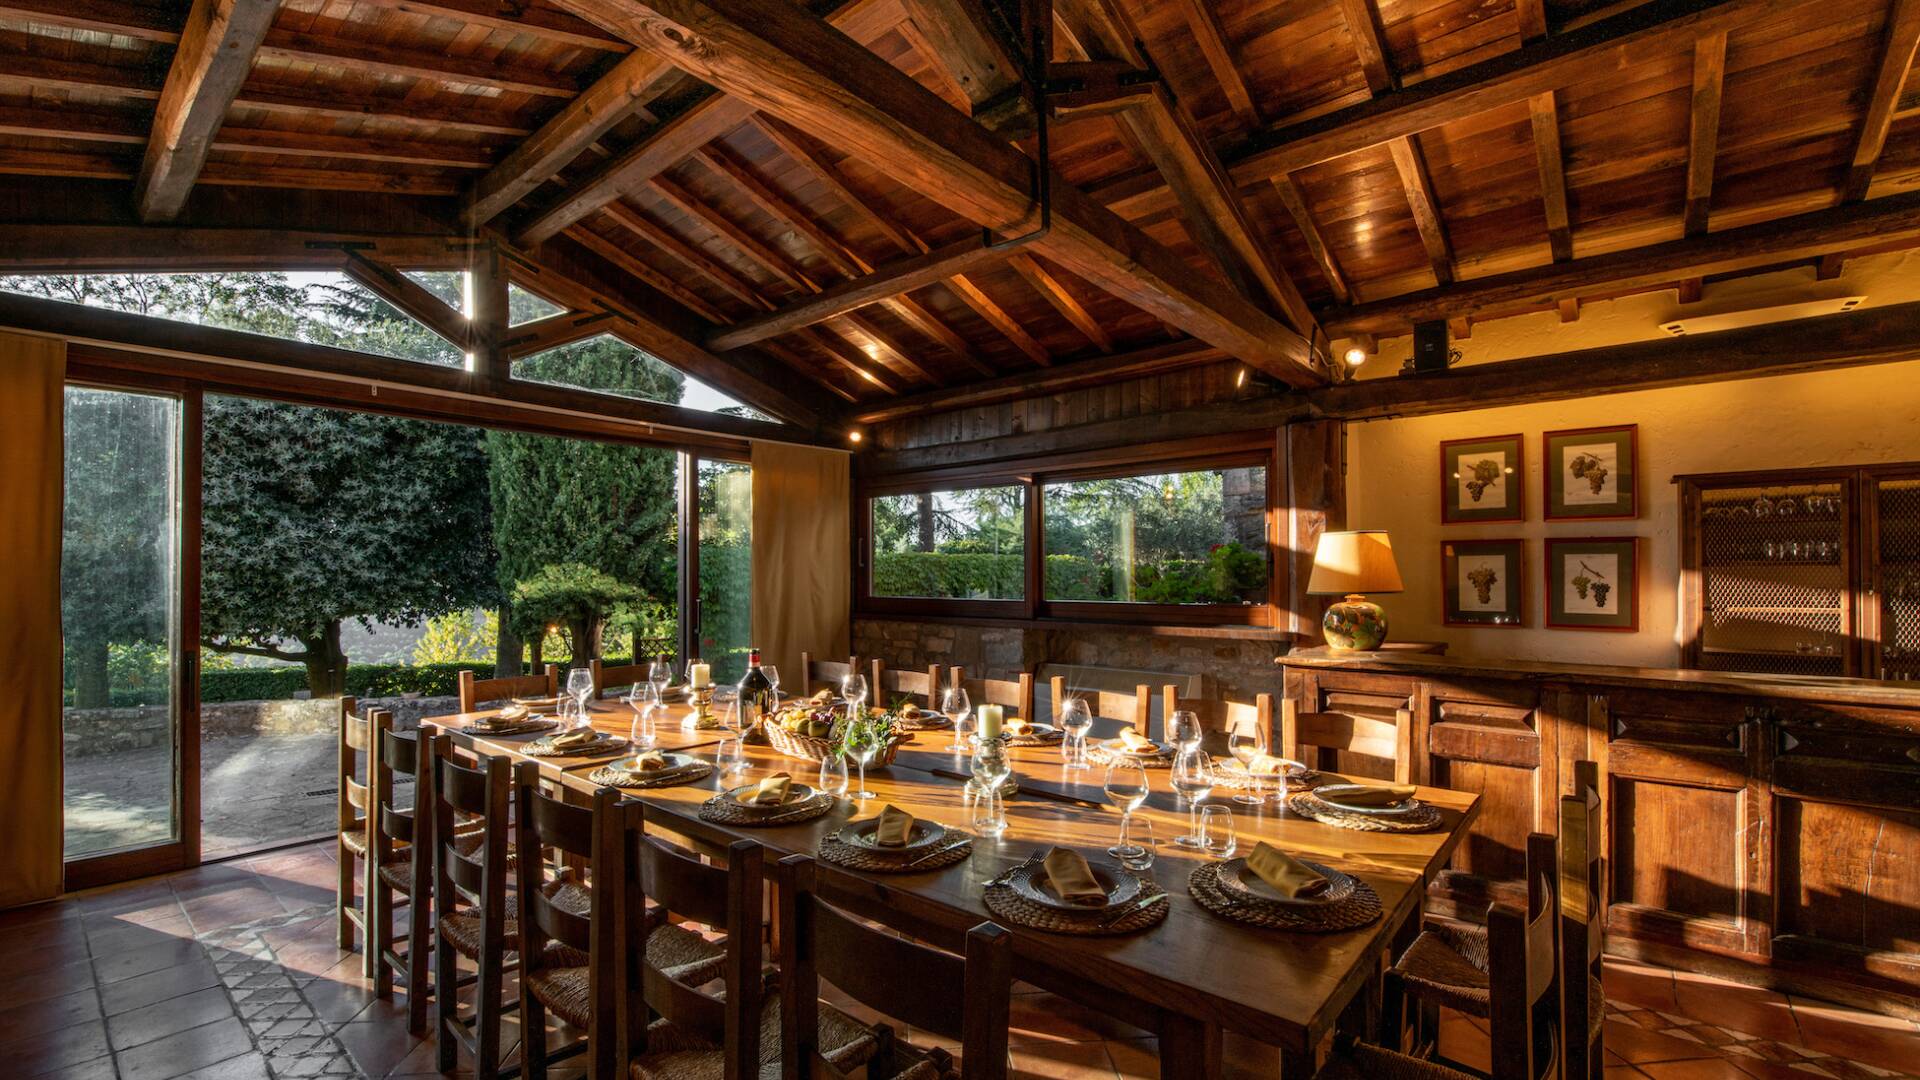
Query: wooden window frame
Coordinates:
[1239,450]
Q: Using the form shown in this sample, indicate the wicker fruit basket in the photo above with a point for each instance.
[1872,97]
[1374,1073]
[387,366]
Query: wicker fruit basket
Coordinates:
[807,747]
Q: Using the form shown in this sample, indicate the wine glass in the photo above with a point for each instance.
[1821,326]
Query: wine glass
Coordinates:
[990,770]
[1184,727]
[580,685]
[1217,836]
[854,689]
[1248,742]
[1193,779]
[773,682]
[833,774]
[659,674]
[645,703]
[955,704]
[863,743]
[1075,719]
[1126,789]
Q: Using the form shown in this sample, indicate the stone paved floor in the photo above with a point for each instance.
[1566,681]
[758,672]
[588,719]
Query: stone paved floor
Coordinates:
[256,791]
[231,972]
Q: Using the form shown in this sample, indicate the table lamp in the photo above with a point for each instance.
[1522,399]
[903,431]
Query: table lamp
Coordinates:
[1351,564]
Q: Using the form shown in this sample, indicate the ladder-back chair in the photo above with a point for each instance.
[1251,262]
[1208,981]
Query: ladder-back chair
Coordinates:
[1335,737]
[403,860]
[475,691]
[471,917]
[1013,695]
[1582,924]
[818,675]
[352,823]
[922,688]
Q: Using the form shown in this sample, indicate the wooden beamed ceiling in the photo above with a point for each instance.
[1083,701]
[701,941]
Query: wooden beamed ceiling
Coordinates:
[797,200]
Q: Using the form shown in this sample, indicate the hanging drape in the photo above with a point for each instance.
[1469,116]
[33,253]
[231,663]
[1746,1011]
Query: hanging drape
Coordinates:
[802,554]
[32,374]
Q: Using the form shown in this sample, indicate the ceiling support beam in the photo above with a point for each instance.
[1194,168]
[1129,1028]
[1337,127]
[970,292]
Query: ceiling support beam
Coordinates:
[554,331]
[1212,39]
[964,43]
[1076,375]
[1795,239]
[1545,115]
[412,299]
[788,62]
[614,97]
[1709,77]
[701,263]
[1054,293]
[215,54]
[1412,167]
[625,260]
[1896,58]
[380,59]
[1295,201]
[1370,43]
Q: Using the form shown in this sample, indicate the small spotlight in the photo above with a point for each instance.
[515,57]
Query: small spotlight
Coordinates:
[1356,356]
[854,436]
[1240,380]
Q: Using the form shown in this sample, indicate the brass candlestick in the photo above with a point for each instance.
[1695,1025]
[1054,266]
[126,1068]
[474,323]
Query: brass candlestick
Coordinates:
[700,717]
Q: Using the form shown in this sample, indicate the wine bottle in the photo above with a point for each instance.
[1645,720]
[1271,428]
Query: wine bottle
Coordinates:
[756,692]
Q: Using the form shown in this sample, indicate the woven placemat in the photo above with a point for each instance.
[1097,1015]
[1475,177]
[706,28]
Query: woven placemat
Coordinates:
[614,776]
[1009,906]
[527,727]
[1357,910]
[1235,776]
[1307,804]
[545,748]
[924,722]
[1050,739]
[724,809]
[954,846]
[1100,755]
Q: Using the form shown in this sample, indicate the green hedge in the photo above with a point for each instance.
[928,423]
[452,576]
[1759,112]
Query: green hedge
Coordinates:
[976,576]
[282,683]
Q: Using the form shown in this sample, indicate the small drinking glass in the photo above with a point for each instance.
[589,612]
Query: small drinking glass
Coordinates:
[854,689]
[1140,835]
[731,755]
[1126,789]
[1193,779]
[989,814]
[833,774]
[1217,836]
[1075,719]
[1184,728]
[1248,742]
[645,704]
[955,705]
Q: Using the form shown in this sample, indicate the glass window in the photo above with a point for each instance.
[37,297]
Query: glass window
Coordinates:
[1194,537]
[968,544]
[726,567]
[607,365]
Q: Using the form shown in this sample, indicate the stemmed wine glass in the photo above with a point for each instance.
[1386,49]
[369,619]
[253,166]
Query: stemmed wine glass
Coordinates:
[955,704]
[990,771]
[1075,719]
[1184,727]
[580,688]
[1193,779]
[644,700]
[1248,742]
[854,689]
[862,742]
[659,674]
[1126,789]
[773,682]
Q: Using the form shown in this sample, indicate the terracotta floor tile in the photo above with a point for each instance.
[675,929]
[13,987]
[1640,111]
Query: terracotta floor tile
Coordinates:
[220,909]
[141,990]
[51,1050]
[163,1018]
[47,1015]
[185,1051]
[1638,1046]
[1050,1018]
[40,985]
[1885,1041]
[1748,1009]
[1461,1041]
[1638,984]
[132,937]
[40,916]
[244,1067]
[377,1047]
[1062,1061]
[1135,1059]
[1623,1072]
[125,965]
[212,878]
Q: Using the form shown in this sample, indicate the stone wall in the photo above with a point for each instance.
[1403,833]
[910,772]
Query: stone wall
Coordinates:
[105,731]
[1239,662]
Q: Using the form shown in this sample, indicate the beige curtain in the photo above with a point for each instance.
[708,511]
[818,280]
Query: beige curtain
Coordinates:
[32,373]
[802,554]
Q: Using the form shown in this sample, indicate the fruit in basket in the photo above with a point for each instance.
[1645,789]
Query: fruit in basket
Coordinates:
[816,729]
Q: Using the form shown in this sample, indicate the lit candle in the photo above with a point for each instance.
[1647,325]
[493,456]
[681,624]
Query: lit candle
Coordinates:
[990,717]
[699,676]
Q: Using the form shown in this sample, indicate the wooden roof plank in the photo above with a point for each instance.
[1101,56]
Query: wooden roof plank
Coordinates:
[1056,294]
[1543,112]
[1896,59]
[512,17]
[1412,167]
[1703,137]
[626,261]
[215,53]
[370,56]
[763,256]
[702,263]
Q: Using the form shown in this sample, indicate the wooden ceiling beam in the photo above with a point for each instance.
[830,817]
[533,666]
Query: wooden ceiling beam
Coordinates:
[702,263]
[513,17]
[1418,185]
[966,45]
[626,261]
[922,318]
[1295,201]
[790,63]
[215,53]
[882,342]
[1054,293]
[970,293]
[1896,59]
[326,51]
[1703,139]
[1532,16]
[1544,113]
[781,209]
[773,262]
[57,247]
[613,97]
[412,299]
[554,331]
[1212,39]
[1370,43]
[1892,219]
[1074,375]
[847,356]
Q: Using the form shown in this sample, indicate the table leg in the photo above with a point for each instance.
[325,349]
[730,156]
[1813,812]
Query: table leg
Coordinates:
[1393,994]
[1189,1048]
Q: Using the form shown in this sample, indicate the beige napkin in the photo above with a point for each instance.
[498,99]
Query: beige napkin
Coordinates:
[1376,795]
[578,737]
[1267,765]
[909,711]
[1136,743]
[650,761]
[1013,725]
[1072,879]
[822,697]
[772,791]
[896,825]
[509,714]
[1291,877]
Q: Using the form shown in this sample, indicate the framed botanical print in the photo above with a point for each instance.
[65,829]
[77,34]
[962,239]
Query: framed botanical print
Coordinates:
[1483,582]
[1482,480]
[1593,583]
[1591,473]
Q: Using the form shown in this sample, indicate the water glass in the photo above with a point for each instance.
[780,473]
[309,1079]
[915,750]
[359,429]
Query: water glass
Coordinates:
[659,674]
[854,689]
[833,774]
[731,755]
[1140,837]
[1217,835]
[580,685]
[1075,718]
[773,682]
[956,706]
[863,743]
[988,808]
[645,703]
[1193,778]
[1126,789]
[1248,742]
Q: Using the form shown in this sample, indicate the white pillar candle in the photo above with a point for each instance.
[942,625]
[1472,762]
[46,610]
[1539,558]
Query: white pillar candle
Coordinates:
[990,718]
[700,676]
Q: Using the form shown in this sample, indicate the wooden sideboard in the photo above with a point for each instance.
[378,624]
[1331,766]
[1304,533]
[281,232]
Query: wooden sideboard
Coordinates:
[1761,827]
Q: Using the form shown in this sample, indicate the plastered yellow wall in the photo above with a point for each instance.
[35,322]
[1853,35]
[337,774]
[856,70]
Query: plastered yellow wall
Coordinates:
[1851,416]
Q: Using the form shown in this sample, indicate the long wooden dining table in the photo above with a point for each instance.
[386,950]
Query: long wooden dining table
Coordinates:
[1187,979]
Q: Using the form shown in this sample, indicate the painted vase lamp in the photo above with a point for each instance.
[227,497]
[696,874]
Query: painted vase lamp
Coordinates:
[1350,565]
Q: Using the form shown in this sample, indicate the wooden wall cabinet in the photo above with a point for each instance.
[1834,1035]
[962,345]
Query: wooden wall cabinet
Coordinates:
[1757,828]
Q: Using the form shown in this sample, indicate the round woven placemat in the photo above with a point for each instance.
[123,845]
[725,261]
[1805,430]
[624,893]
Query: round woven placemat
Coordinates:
[1100,755]
[1009,906]
[614,776]
[839,852]
[1050,739]
[1307,804]
[545,748]
[1234,776]
[1357,910]
[526,727]
[723,809]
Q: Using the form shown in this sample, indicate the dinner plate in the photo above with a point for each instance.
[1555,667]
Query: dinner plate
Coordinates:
[923,835]
[797,793]
[1115,746]
[1239,878]
[538,702]
[1032,884]
[673,761]
[1033,731]
[1330,794]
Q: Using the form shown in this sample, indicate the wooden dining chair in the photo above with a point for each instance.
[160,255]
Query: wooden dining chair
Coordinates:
[1582,924]
[1336,737]
[475,691]
[954,997]
[1523,1023]
[1256,714]
[1135,709]
[1014,695]
[471,915]
[352,823]
[610,676]
[818,675]
[399,835]
[922,688]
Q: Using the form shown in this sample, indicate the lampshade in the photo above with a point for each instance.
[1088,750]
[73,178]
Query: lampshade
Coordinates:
[1354,562]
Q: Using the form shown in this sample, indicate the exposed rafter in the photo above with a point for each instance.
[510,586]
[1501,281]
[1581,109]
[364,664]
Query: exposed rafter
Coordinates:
[1212,39]
[1703,139]
[215,54]
[1412,167]
[1370,43]
[1295,201]
[1896,59]
[1544,113]
[414,299]
[1056,294]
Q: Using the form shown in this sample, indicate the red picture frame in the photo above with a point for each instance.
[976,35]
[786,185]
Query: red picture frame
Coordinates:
[1553,581]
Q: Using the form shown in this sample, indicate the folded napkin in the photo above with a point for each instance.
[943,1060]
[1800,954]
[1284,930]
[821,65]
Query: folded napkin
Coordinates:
[896,825]
[1291,877]
[650,761]
[772,791]
[509,714]
[1072,879]
[909,711]
[1376,795]
[578,737]
[822,697]
[1267,765]
[1014,725]
[1136,743]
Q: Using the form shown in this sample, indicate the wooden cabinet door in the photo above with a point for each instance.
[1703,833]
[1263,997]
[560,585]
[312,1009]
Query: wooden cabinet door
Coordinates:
[1889,616]
[1493,739]
[1689,822]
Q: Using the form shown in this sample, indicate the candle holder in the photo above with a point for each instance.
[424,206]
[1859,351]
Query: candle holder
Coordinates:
[700,717]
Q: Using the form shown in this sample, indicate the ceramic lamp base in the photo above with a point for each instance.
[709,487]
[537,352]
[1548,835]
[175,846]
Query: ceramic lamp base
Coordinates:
[1355,623]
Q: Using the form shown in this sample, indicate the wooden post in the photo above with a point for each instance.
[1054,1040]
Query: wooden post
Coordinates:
[488,339]
[1315,455]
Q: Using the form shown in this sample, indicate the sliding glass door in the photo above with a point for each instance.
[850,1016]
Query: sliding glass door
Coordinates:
[128,715]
